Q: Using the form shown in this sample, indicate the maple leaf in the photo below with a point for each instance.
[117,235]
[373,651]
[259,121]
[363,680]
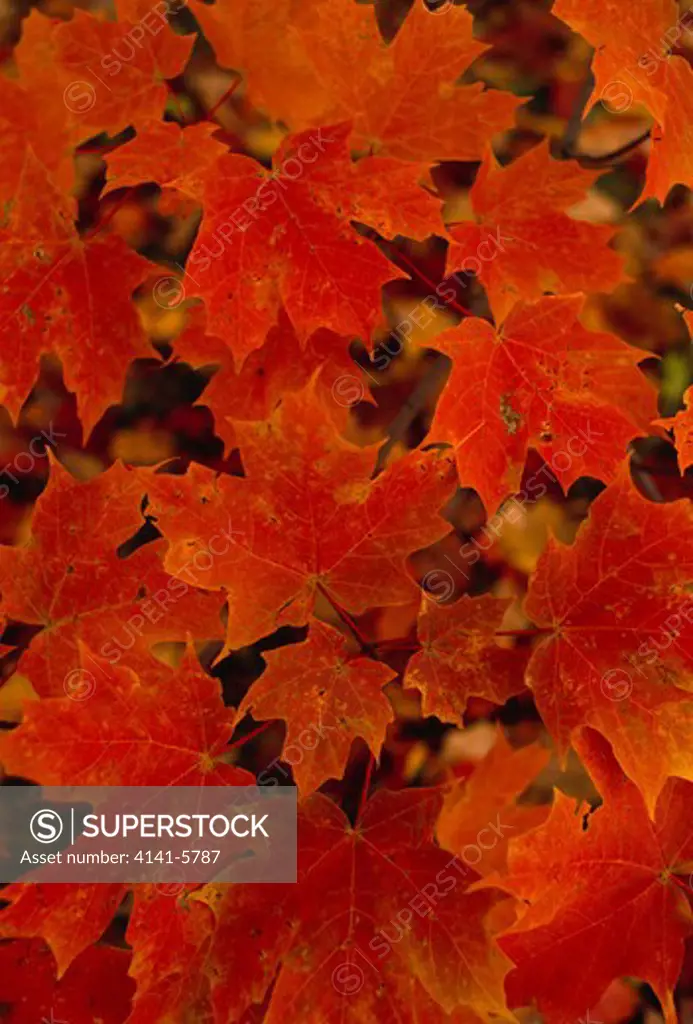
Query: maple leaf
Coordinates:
[157,727]
[670,161]
[22,123]
[461,658]
[614,609]
[308,519]
[622,869]
[282,365]
[170,936]
[433,118]
[542,381]
[135,59]
[326,698]
[68,917]
[70,86]
[628,43]
[251,930]
[384,924]
[389,857]
[67,578]
[154,727]
[285,238]
[534,246]
[96,986]
[335,955]
[304,75]
[164,152]
[388,194]
[57,296]
[269,55]
[106,74]
[486,803]
[35,112]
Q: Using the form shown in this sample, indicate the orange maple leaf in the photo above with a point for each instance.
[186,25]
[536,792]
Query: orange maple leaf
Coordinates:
[541,381]
[70,581]
[522,241]
[460,657]
[405,101]
[622,869]
[57,295]
[305,520]
[153,727]
[326,698]
[614,609]
[285,239]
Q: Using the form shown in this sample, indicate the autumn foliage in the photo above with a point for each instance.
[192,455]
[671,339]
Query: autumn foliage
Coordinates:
[345,429]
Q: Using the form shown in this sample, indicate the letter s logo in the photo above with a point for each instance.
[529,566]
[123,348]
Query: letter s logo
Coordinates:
[46,826]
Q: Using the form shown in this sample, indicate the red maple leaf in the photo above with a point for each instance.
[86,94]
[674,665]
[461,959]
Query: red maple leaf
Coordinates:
[461,657]
[521,241]
[66,580]
[303,525]
[285,239]
[614,611]
[326,698]
[56,296]
[622,867]
[541,381]
[406,102]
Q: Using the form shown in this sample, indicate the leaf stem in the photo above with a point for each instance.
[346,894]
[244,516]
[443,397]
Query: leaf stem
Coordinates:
[251,735]
[368,649]
[222,99]
[427,281]
[366,786]
[682,885]
[606,158]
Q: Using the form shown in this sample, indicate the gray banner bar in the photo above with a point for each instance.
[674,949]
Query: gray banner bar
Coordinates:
[152,834]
